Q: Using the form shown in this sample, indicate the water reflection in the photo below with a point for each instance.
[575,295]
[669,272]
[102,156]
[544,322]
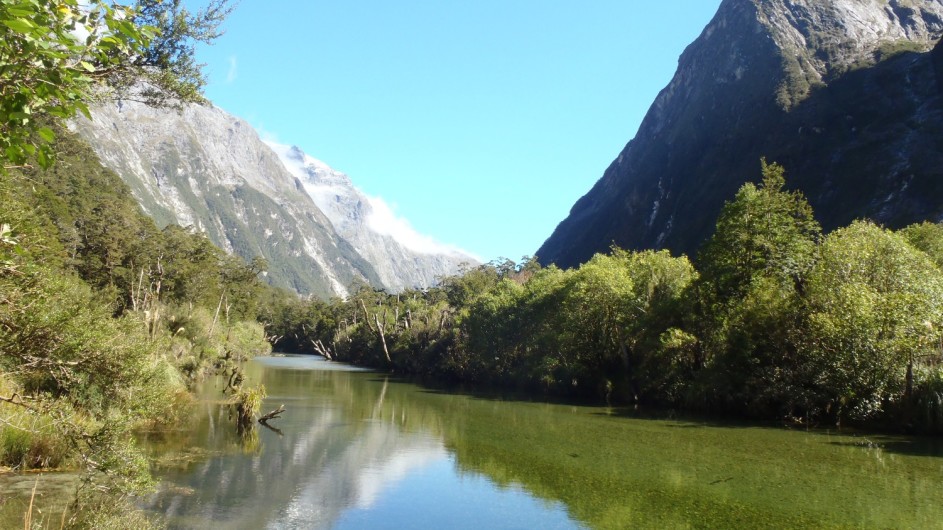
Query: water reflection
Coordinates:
[360,450]
[346,447]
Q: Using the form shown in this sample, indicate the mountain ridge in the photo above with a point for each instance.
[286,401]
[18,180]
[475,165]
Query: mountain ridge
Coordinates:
[202,167]
[402,257]
[755,83]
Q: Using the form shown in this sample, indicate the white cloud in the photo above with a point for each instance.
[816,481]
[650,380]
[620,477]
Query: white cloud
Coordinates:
[383,220]
[380,218]
[269,137]
[233,69]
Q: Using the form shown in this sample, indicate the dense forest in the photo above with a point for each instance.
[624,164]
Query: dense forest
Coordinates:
[774,320]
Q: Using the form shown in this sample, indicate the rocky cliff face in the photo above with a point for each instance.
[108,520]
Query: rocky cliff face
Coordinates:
[846,94]
[204,168]
[402,258]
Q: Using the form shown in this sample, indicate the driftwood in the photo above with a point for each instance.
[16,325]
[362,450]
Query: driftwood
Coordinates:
[276,430]
[272,415]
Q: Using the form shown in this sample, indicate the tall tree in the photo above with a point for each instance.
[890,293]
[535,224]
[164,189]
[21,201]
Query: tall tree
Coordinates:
[766,231]
[875,317]
[753,270]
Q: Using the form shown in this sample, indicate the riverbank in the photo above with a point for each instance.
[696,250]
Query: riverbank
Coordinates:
[771,321]
[358,449]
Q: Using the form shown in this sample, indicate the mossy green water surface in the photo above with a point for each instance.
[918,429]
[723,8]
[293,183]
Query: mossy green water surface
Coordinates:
[360,449]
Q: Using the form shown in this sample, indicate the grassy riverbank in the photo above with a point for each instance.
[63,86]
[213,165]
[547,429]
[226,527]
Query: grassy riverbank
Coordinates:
[105,324]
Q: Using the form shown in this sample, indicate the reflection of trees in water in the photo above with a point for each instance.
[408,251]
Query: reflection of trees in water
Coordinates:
[339,447]
[352,431]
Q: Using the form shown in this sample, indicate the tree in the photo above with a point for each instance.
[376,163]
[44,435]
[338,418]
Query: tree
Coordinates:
[168,66]
[57,55]
[753,271]
[875,313]
[764,231]
[927,237]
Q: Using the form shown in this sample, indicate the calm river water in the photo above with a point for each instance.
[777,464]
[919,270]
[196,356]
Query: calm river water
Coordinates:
[358,449]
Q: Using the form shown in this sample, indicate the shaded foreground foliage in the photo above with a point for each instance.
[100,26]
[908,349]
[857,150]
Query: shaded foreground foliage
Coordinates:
[776,320]
[104,319]
[105,322]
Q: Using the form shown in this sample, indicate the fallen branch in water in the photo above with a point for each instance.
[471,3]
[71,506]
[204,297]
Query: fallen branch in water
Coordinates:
[276,430]
[272,415]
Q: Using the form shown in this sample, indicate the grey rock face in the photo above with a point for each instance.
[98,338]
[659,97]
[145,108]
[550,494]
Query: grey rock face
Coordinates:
[823,39]
[204,168]
[843,93]
[402,258]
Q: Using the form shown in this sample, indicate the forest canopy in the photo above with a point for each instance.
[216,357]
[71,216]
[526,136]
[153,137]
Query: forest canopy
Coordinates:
[773,320]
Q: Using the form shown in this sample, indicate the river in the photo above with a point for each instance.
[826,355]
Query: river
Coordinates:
[358,449]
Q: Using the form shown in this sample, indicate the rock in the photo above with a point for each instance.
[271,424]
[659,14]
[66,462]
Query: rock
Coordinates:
[402,258]
[204,168]
[843,93]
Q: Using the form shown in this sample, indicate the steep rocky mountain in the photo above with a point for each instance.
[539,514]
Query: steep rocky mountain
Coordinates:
[846,94]
[204,168]
[401,257]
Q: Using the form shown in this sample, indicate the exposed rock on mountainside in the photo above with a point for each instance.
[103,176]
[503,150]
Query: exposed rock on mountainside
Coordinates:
[202,167]
[401,257]
[846,94]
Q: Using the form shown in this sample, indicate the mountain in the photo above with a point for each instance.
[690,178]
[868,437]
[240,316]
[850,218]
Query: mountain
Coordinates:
[204,168]
[846,94]
[402,257]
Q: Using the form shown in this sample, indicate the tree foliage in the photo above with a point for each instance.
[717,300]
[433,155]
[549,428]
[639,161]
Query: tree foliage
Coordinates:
[765,231]
[776,321]
[875,309]
[58,55]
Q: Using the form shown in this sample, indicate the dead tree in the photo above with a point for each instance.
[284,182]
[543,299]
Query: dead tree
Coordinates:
[322,350]
[378,328]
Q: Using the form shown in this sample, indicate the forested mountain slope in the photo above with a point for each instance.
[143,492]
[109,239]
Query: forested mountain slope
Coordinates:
[203,167]
[200,166]
[845,94]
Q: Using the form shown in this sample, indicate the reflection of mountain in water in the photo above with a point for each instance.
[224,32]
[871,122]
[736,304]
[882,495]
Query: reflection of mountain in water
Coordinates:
[327,461]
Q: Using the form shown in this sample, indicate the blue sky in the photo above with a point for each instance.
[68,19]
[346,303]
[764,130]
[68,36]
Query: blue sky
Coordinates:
[481,122]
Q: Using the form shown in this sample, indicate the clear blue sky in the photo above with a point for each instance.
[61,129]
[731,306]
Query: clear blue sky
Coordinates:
[481,122]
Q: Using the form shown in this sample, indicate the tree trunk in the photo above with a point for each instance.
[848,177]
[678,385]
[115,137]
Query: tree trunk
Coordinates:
[322,350]
[386,351]
[378,329]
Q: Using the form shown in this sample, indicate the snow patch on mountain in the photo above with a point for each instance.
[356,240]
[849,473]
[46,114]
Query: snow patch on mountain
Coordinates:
[403,257]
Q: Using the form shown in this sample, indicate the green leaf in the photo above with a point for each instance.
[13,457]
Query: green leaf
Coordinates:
[87,66]
[127,29]
[46,134]
[83,108]
[19,25]
[14,153]
[44,157]
[20,11]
